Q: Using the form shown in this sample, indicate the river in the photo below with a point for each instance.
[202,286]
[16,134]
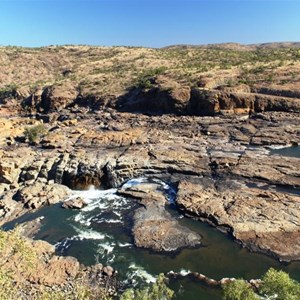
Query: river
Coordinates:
[100,232]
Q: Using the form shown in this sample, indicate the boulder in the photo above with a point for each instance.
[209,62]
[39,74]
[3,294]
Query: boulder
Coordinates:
[58,96]
[156,229]
[76,203]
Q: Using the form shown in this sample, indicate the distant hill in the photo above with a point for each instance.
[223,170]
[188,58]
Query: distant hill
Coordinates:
[105,73]
[237,46]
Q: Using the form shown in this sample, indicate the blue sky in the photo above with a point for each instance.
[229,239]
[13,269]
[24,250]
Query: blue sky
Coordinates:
[151,23]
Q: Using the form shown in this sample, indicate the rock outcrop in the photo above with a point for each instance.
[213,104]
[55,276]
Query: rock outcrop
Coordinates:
[76,203]
[224,161]
[35,269]
[58,96]
[204,102]
[154,227]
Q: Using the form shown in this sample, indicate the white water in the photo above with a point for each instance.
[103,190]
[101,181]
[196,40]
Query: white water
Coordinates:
[107,209]
[138,271]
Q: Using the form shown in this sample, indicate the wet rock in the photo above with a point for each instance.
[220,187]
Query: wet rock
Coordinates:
[108,270]
[251,215]
[154,228]
[76,203]
[31,228]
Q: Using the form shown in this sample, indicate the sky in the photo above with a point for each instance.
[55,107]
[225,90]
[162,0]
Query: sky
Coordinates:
[149,23]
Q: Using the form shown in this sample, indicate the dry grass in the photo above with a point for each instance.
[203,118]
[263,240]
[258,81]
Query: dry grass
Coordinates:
[112,70]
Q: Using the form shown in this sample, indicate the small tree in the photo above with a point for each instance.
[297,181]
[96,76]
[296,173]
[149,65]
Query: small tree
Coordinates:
[238,290]
[280,284]
[33,134]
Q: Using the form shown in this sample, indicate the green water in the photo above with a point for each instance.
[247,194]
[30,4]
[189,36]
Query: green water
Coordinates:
[98,234]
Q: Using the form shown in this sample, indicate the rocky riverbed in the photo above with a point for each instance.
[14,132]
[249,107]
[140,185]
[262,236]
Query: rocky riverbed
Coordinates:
[220,166]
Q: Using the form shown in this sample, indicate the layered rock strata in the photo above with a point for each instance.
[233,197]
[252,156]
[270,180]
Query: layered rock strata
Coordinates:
[221,164]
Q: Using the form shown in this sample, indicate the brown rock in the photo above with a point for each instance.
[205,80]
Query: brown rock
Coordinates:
[76,203]
[108,270]
[38,194]
[58,96]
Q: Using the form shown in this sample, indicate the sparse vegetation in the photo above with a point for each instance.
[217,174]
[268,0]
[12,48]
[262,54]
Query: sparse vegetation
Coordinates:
[157,291]
[121,68]
[146,78]
[18,259]
[275,285]
[34,133]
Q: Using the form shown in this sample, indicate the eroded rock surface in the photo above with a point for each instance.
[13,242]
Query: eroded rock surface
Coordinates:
[35,268]
[154,227]
[222,166]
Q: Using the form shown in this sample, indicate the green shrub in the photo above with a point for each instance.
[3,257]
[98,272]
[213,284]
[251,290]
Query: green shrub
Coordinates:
[33,134]
[7,291]
[145,79]
[158,291]
[275,285]
[238,290]
[280,283]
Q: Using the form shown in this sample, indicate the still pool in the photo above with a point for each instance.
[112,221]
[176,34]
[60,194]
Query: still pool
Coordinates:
[291,151]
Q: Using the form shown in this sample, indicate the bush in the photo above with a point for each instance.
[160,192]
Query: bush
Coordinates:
[275,285]
[238,290]
[280,283]
[146,79]
[158,291]
[33,134]
[7,291]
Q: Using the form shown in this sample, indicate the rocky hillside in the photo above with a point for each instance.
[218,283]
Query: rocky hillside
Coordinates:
[181,79]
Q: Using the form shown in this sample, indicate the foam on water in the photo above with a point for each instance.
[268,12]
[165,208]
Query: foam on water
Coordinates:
[109,221]
[184,272]
[134,182]
[89,235]
[106,248]
[106,210]
[122,245]
[277,147]
[141,273]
